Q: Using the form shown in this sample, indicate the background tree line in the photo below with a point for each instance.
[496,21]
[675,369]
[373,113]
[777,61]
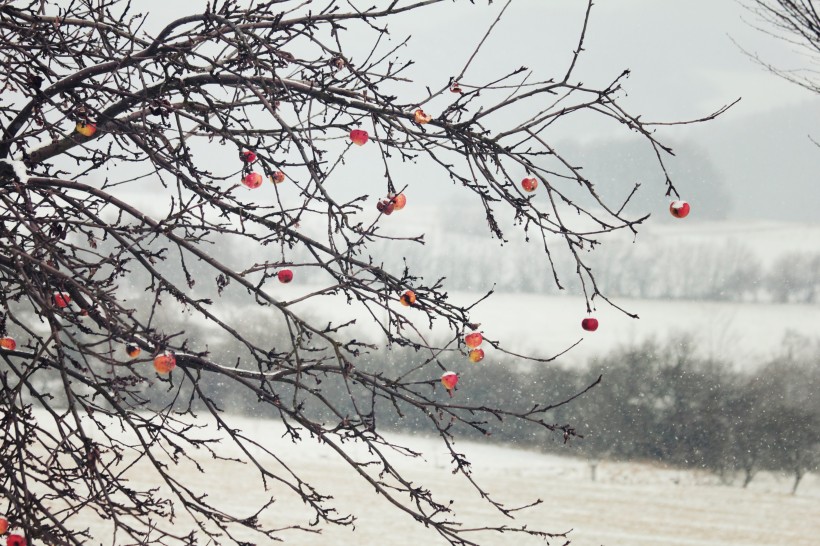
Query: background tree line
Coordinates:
[657,401]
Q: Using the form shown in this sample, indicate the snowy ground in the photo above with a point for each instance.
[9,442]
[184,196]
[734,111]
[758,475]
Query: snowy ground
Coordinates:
[743,333]
[629,504]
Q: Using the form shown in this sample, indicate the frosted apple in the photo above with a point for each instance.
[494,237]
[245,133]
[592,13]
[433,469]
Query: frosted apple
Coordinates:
[285,276]
[408,298]
[359,137]
[278,177]
[476,355]
[529,184]
[16,540]
[61,299]
[473,340]
[449,380]
[133,350]
[455,88]
[86,129]
[8,343]
[386,206]
[399,201]
[252,180]
[165,362]
[247,156]
[589,324]
[422,118]
[679,209]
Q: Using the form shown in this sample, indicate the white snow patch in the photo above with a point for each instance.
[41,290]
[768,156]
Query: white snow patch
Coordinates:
[19,169]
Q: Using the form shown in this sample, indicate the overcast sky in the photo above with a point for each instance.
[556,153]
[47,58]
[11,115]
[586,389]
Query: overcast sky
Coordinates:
[686,61]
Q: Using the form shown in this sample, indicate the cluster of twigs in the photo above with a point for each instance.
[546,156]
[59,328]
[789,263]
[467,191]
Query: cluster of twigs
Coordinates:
[112,182]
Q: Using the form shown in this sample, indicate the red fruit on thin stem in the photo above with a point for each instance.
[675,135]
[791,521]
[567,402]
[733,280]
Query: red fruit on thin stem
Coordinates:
[133,350]
[285,276]
[8,343]
[252,180]
[589,324]
[408,298]
[278,177]
[476,355]
[247,156]
[86,129]
[4,525]
[61,299]
[455,88]
[399,201]
[473,340]
[529,184]
[386,206]
[165,362]
[16,540]
[449,380]
[679,209]
[359,137]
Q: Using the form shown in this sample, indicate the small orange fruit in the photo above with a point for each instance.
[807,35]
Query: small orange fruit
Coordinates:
[252,180]
[408,298]
[165,362]
[86,129]
[449,380]
[133,350]
[529,184]
[399,201]
[473,340]
[422,118]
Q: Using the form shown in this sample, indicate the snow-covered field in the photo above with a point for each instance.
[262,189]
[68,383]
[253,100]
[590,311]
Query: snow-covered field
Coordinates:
[742,333]
[628,504]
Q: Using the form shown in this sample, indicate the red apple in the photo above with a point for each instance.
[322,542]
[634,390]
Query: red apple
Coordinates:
[473,340]
[449,380]
[359,137]
[421,118]
[16,540]
[408,298]
[61,299]
[679,209]
[278,177]
[476,355]
[4,525]
[86,129]
[247,156]
[589,324]
[386,206]
[165,362]
[285,276]
[529,184]
[252,180]
[8,344]
[455,88]
[399,201]
[133,350]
